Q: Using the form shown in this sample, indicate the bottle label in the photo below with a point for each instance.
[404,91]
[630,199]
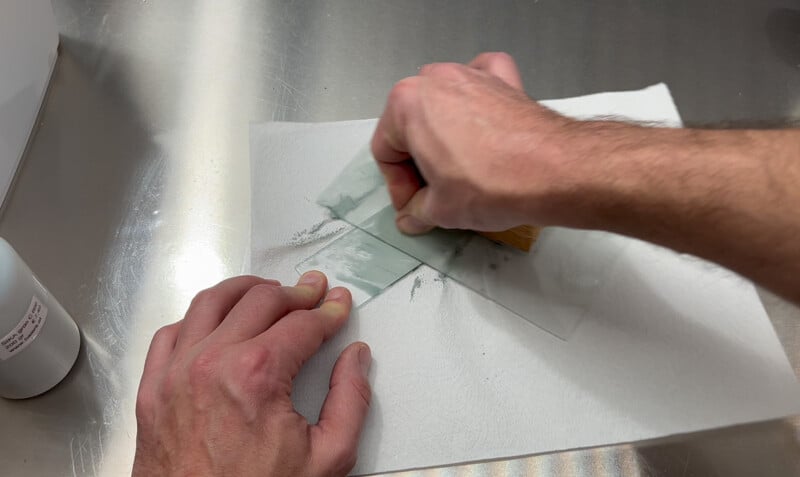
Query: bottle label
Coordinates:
[25,332]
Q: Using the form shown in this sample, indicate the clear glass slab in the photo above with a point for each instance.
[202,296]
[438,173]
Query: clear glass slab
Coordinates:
[551,287]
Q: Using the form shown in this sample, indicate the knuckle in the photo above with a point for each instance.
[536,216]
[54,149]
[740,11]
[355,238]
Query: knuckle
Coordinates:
[426,68]
[438,212]
[256,370]
[267,293]
[166,332]
[403,90]
[201,370]
[446,70]
[289,335]
[205,298]
[253,361]
[498,57]
[145,404]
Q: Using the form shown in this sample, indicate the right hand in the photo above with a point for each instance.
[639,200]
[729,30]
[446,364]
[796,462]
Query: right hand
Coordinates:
[462,146]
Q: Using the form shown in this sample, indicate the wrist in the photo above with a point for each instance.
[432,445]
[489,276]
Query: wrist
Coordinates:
[592,169]
[660,184]
[621,177]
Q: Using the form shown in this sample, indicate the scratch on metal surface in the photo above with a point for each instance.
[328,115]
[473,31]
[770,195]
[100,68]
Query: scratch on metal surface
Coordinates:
[289,87]
[105,338]
[72,457]
[100,443]
[84,450]
[92,460]
[686,464]
[292,94]
[288,97]
[80,457]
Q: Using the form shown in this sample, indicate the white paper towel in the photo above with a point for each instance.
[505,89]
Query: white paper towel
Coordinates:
[673,344]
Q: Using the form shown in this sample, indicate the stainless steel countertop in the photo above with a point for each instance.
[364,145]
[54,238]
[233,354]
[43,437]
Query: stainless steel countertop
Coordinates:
[134,193]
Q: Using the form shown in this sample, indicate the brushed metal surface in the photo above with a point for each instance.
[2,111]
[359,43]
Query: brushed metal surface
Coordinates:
[135,190]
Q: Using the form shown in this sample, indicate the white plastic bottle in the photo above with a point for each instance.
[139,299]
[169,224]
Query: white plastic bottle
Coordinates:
[39,341]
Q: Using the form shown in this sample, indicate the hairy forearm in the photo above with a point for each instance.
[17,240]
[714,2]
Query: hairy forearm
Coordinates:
[729,196]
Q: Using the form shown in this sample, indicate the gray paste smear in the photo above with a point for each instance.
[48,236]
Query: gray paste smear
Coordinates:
[315,233]
[417,284]
[361,176]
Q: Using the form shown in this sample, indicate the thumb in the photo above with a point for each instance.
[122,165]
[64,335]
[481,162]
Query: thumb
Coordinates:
[413,219]
[334,439]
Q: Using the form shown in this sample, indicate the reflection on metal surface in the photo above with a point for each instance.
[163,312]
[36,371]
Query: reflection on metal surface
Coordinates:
[134,193]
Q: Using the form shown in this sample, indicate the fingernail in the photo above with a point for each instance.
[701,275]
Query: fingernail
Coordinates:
[364,359]
[337,294]
[337,302]
[312,278]
[409,224]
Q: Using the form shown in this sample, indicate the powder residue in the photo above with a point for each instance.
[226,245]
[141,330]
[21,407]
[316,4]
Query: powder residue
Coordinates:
[314,233]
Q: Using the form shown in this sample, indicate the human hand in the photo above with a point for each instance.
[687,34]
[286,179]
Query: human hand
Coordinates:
[488,158]
[215,393]
[485,156]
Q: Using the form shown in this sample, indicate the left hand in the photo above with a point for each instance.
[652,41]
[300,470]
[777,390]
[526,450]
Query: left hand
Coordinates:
[215,395]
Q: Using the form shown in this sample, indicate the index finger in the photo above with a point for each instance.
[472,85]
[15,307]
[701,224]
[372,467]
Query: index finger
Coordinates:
[390,142]
[210,307]
[390,145]
[262,306]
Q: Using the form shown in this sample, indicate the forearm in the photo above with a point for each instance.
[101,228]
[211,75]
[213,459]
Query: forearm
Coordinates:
[729,196]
